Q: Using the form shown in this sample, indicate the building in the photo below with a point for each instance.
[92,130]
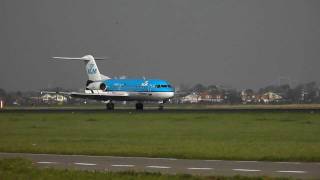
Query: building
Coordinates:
[191,98]
[1,103]
[248,96]
[56,98]
[211,98]
[218,98]
[270,97]
[203,97]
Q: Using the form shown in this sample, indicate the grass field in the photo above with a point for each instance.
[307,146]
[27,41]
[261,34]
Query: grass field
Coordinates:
[24,169]
[241,136]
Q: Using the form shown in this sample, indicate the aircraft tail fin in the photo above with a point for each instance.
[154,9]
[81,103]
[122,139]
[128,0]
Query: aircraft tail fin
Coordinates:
[90,65]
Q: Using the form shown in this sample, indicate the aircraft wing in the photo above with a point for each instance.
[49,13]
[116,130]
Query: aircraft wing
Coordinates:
[95,95]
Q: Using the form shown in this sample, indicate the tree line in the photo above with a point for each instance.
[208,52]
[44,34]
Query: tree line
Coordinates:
[301,93]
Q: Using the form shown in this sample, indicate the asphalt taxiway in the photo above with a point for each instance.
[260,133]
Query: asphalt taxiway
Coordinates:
[304,170]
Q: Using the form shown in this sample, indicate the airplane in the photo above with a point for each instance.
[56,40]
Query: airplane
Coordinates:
[103,88]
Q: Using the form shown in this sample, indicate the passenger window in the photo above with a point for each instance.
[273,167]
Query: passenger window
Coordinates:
[164,86]
[157,86]
[169,86]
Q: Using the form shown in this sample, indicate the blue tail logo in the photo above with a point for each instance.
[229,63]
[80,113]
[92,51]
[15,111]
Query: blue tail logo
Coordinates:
[92,69]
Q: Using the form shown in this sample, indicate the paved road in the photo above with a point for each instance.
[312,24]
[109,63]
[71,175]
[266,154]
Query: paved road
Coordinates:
[173,166]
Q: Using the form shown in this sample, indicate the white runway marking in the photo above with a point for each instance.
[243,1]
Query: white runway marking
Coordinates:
[171,159]
[198,168]
[246,161]
[122,165]
[85,164]
[46,162]
[247,170]
[291,171]
[288,162]
[213,160]
[159,167]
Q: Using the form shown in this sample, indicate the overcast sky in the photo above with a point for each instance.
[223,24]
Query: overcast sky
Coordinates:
[239,43]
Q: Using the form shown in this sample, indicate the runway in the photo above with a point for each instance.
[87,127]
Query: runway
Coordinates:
[174,166]
[155,110]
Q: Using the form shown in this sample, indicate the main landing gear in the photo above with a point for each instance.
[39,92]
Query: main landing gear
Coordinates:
[139,106]
[161,107]
[110,106]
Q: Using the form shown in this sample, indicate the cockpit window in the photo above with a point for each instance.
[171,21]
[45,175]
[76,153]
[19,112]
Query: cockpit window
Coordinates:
[163,86]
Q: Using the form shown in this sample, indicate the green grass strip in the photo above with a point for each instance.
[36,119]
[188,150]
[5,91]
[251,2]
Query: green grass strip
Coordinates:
[228,136]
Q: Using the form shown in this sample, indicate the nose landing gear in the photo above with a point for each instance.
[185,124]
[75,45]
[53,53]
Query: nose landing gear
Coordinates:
[161,105]
[110,106]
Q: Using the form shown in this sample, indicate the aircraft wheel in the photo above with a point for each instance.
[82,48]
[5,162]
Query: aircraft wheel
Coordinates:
[139,106]
[161,107]
[110,106]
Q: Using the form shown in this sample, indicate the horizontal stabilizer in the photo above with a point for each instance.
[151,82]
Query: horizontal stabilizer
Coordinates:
[80,58]
[56,92]
[103,77]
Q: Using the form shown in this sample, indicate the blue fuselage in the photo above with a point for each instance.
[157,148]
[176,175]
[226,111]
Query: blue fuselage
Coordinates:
[138,85]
